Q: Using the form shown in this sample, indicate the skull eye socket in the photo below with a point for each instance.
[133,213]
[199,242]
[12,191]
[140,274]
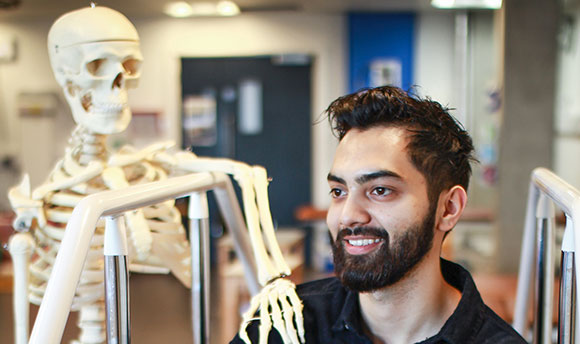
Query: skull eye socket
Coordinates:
[94,65]
[131,66]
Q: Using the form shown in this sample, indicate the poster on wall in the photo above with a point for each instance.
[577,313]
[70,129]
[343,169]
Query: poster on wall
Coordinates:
[37,104]
[385,71]
[199,120]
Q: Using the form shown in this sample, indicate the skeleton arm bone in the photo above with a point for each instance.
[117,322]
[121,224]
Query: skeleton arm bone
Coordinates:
[25,207]
[266,270]
[261,186]
[21,246]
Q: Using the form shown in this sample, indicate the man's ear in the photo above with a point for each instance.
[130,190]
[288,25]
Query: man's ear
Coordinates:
[453,202]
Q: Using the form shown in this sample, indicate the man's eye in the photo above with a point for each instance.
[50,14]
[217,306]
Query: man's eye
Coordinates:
[336,192]
[381,191]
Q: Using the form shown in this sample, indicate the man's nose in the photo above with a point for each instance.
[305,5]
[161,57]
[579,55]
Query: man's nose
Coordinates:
[354,213]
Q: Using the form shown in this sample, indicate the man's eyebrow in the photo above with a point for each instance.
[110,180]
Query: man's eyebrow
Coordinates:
[332,178]
[376,175]
[365,177]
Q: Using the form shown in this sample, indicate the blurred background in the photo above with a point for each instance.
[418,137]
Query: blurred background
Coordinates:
[251,82]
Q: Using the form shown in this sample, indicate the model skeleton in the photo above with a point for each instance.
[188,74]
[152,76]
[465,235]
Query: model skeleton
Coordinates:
[95,56]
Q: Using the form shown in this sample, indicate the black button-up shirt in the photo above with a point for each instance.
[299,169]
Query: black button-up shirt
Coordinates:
[332,315]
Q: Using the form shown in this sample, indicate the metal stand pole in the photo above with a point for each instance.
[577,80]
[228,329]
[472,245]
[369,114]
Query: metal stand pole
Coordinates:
[567,319]
[200,266]
[236,225]
[567,309]
[117,282]
[544,271]
[527,264]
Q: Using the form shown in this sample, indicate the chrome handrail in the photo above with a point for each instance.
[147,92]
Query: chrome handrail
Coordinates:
[545,188]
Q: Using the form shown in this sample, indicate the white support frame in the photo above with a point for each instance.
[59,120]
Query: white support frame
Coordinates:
[545,184]
[55,307]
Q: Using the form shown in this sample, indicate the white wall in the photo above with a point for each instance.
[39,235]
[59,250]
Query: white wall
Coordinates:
[434,57]
[29,73]
[165,41]
[567,109]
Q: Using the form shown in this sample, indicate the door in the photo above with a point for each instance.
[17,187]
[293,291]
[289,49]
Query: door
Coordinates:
[274,134]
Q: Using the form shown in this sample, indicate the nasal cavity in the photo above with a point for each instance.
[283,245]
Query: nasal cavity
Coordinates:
[118,82]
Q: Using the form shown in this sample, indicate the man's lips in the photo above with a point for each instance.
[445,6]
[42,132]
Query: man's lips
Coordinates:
[361,244]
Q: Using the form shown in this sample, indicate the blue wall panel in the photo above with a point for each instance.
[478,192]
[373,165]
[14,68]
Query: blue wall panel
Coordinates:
[380,36]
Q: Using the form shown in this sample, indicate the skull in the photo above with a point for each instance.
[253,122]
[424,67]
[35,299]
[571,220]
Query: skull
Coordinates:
[95,57]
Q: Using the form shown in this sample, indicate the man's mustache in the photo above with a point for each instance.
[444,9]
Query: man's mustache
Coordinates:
[378,232]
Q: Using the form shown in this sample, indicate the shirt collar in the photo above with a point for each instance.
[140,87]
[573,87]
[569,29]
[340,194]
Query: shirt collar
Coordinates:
[468,317]
[349,318]
[461,325]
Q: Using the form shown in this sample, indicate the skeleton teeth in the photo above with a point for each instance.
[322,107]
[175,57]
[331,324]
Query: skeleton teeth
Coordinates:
[363,242]
[108,108]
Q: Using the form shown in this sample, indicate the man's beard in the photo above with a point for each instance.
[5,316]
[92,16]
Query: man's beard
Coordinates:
[390,262]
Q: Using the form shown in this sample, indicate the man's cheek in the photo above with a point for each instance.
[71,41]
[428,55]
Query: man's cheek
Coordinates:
[332,236]
[332,223]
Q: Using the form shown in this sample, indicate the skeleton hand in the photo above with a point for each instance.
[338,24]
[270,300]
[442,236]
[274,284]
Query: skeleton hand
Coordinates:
[279,306]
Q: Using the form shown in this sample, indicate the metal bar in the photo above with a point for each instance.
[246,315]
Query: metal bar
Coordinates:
[200,266]
[117,282]
[567,319]
[567,198]
[525,274]
[206,283]
[117,300]
[544,271]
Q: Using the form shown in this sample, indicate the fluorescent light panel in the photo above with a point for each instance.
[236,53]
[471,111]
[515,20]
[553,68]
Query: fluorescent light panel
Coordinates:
[475,4]
[181,9]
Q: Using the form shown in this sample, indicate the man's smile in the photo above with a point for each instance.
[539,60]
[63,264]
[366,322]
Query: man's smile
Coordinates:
[357,244]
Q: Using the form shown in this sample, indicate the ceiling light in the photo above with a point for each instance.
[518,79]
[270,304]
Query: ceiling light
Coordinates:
[203,9]
[475,4]
[178,9]
[227,8]
[181,9]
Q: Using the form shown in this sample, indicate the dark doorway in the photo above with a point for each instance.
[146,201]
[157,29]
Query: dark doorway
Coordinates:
[211,89]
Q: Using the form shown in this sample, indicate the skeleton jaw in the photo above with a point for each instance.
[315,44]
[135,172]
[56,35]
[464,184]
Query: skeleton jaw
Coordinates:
[109,116]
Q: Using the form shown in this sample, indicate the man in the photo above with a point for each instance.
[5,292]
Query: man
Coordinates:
[398,185]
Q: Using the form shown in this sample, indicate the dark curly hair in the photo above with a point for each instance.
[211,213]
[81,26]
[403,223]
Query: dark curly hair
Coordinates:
[439,147]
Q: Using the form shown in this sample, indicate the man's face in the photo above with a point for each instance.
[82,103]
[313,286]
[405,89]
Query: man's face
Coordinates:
[379,218]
